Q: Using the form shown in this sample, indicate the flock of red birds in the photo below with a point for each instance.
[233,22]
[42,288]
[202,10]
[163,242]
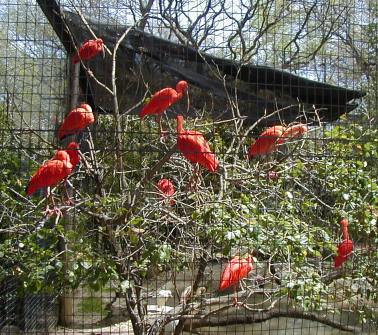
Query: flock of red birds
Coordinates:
[191,144]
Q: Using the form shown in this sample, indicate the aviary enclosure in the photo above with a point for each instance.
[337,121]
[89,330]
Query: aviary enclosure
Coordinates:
[253,213]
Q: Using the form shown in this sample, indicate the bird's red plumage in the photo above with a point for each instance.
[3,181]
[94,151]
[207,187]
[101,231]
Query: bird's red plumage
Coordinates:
[163,99]
[89,50]
[160,101]
[294,131]
[73,151]
[266,142]
[345,248]
[339,261]
[195,148]
[167,188]
[76,120]
[236,270]
[51,173]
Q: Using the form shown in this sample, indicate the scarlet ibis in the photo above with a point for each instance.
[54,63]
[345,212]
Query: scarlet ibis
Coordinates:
[73,151]
[194,147]
[345,248]
[76,120]
[294,131]
[167,188]
[89,50]
[163,99]
[55,170]
[266,142]
[236,269]
[50,174]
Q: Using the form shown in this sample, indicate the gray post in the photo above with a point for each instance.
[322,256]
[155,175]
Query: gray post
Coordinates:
[67,299]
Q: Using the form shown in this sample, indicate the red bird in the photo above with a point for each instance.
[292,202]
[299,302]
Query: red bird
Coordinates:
[194,147]
[272,175]
[89,50]
[266,142]
[163,99]
[345,248]
[55,170]
[76,120]
[236,269]
[167,188]
[73,151]
[292,132]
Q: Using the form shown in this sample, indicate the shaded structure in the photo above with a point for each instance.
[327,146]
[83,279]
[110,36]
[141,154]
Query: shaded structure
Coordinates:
[143,58]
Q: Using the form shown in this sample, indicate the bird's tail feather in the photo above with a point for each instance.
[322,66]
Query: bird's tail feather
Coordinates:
[29,190]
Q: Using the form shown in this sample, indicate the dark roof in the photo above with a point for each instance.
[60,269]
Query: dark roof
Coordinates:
[143,57]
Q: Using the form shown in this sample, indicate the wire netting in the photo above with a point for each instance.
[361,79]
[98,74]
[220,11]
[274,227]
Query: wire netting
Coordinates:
[258,215]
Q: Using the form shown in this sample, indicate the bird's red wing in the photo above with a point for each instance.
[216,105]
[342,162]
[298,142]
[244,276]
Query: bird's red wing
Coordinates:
[226,278]
[196,149]
[266,142]
[166,187]
[169,191]
[339,260]
[236,270]
[87,51]
[345,248]
[76,120]
[159,102]
[49,174]
[292,132]
[262,146]
[245,268]
[84,52]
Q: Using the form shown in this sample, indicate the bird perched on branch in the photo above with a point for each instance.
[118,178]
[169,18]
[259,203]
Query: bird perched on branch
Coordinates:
[167,188]
[236,269]
[195,148]
[76,120]
[54,171]
[89,50]
[266,142]
[345,248]
[162,100]
[291,132]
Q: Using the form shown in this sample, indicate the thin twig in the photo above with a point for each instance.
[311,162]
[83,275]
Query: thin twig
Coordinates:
[78,11]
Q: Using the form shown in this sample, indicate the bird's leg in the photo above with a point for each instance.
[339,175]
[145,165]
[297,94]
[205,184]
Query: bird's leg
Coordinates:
[197,176]
[48,211]
[193,181]
[163,133]
[55,210]
[69,201]
[236,303]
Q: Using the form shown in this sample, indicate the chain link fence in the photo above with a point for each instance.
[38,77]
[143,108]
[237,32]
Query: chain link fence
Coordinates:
[257,215]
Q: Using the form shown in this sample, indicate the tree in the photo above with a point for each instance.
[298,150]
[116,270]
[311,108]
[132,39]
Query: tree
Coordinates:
[126,232]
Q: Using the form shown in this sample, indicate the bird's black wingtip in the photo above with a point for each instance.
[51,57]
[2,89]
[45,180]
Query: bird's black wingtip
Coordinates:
[27,190]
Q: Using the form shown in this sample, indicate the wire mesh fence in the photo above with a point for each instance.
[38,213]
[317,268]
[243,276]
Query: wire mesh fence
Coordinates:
[188,167]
